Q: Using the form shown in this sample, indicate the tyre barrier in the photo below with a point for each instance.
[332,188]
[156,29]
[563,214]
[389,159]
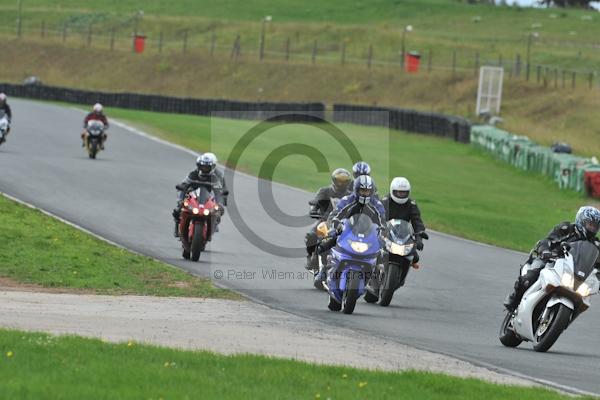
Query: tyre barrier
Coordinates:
[455,128]
[228,108]
[568,171]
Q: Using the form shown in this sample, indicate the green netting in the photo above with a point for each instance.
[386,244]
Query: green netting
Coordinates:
[567,170]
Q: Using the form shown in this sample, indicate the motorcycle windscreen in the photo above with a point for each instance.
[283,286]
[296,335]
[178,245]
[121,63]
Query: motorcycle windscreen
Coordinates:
[360,224]
[399,231]
[585,255]
[203,194]
[95,127]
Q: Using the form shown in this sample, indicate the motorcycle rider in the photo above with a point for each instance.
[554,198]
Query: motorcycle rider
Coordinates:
[398,205]
[206,171]
[362,200]
[587,223]
[321,206]
[6,108]
[97,114]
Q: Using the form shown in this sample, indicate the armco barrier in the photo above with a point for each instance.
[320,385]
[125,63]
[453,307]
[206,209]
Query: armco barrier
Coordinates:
[567,170]
[455,128]
[234,109]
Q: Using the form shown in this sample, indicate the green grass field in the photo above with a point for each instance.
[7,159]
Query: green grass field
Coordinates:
[61,257]
[39,366]
[459,189]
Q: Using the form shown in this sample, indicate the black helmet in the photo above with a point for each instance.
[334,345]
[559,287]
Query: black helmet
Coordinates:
[206,163]
[340,180]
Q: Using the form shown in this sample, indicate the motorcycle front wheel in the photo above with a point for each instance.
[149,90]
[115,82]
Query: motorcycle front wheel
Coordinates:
[198,243]
[390,283]
[352,291]
[551,327]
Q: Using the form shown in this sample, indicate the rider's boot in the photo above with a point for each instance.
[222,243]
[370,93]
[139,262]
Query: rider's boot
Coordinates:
[514,298]
[310,262]
[176,214]
[83,140]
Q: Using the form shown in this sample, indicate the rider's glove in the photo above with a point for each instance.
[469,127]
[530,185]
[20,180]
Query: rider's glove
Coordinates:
[419,243]
[545,255]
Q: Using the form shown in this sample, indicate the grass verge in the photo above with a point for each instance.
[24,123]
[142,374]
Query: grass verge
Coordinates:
[40,366]
[36,249]
[460,190]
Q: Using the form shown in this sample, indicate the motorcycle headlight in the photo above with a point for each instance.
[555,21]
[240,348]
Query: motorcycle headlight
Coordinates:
[195,210]
[567,281]
[400,250]
[359,247]
[206,212]
[583,290]
[186,203]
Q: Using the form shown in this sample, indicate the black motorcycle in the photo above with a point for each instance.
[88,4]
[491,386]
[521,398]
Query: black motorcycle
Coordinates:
[398,258]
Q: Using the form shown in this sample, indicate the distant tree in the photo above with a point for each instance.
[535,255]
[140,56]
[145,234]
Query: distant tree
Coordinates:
[567,3]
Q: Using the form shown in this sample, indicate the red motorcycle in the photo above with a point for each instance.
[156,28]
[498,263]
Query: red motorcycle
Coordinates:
[199,216]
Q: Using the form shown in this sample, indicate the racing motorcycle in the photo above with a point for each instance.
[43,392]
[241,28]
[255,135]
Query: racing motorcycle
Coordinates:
[93,137]
[552,303]
[4,126]
[199,216]
[400,252]
[351,262]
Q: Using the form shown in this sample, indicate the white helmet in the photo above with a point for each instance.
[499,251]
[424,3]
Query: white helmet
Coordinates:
[2,97]
[400,189]
[212,156]
[97,108]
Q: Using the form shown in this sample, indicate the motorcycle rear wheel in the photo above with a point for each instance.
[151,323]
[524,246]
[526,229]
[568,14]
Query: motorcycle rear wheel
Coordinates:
[558,323]
[507,337]
[351,292]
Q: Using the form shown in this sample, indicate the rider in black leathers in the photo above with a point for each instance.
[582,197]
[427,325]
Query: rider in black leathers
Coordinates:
[587,222]
[206,171]
[321,206]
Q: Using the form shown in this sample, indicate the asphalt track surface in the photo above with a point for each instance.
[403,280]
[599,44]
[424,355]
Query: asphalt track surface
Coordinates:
[451,306]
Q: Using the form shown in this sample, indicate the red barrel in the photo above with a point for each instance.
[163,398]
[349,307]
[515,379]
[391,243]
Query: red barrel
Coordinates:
[412,62]
[592,183]
[139,43]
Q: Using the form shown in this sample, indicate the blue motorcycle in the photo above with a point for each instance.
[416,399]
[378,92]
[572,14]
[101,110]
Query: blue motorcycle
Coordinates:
[351,262]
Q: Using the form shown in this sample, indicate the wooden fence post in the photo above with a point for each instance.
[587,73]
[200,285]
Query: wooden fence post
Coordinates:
[43,30]
[287,49]
[314,52]
[185,39]
[555,78]
[89,36]
[564,78]
[343,55]
[591,80]
[538,73]
[370,56]
[573,78]
[476,64]
[518,66]
[112,39]
[430,61]
[453,63]
[160,41]
[213,41]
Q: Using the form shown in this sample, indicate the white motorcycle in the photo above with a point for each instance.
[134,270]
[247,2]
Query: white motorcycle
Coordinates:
[561,293]
[4,126]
